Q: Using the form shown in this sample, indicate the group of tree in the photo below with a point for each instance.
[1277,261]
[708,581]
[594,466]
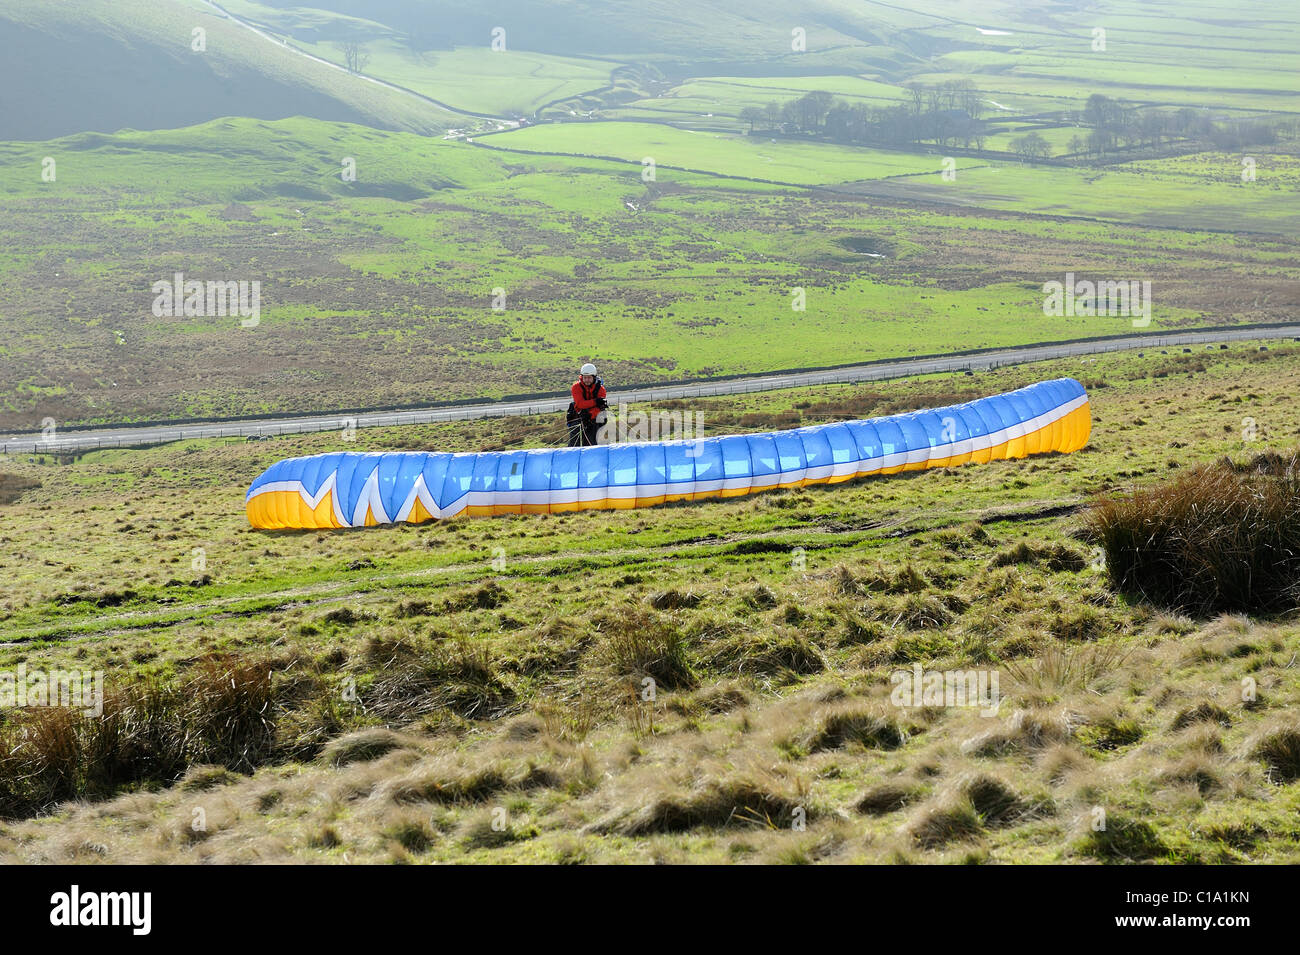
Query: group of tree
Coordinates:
[1031,146]
[945,115]
[949,115]
[1114,125]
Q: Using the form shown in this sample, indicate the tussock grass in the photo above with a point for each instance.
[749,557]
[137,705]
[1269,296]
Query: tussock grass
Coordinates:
[641,644]
[460,676]
[488,832]
[906,579]
[856,629]
[1026,730]
[1051,556]
[887,797]
[743,800]
[995,801]
[1198,770]
[952,819]
[344,617]
[441,782]
[1279,749]
[1123,840]
[1217,537]
[1205,711]
[412,834]
[1059,669]
[673,599]
[414,608]
[1080,625]
[362,746]
[489,596]
[326,837]
[916,611]
[463,708]
[722,697]
[869,725]
[220,713]
[202,778]
[963,539]
[1111,731]
[972,803]
[779,653]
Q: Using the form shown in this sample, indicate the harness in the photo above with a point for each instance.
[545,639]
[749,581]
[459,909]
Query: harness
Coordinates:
[589,393]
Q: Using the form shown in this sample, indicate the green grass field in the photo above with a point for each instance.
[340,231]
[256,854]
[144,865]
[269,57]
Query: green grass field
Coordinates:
[722,154]
[1158,193]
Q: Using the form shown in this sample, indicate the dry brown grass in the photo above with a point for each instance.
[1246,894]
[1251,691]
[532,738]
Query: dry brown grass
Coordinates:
[1217,537]
[1278,747]
[220,712]
[753,799]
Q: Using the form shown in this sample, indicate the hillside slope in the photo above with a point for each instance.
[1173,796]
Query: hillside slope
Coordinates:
[81,66]
[476,689]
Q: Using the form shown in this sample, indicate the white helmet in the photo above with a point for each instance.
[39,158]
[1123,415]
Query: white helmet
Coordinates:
[588,369]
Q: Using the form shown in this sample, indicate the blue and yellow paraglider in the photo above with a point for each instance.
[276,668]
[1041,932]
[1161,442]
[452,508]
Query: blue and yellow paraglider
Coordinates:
[355,490]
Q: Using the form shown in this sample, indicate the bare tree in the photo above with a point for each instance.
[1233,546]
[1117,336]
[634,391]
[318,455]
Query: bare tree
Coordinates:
[917,93]
[355,56]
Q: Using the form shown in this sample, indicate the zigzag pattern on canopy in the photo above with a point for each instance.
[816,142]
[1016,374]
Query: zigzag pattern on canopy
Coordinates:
[353,490]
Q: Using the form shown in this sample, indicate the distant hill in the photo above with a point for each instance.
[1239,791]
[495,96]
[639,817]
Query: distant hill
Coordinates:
[81,65]
[684,32]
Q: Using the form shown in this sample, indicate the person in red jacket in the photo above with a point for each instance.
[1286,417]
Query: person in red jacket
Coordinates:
[588,404]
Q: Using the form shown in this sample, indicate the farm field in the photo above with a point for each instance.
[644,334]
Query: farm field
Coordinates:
[487,680]
[715,100]
[391,276]
[721,154]
[1138,192]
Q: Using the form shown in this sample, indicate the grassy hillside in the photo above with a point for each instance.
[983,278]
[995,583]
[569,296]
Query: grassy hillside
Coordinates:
[472,690]
[53,77]
[839,32]
[1037,53]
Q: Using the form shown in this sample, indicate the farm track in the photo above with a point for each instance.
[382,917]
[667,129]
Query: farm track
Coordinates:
[371,589]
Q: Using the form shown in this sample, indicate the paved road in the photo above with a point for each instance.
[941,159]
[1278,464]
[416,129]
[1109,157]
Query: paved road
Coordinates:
[876,371]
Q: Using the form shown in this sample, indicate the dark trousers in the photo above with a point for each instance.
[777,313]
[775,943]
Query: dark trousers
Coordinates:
[582,429]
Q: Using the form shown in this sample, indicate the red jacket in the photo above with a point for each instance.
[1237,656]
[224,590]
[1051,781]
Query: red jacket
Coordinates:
[584,399]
